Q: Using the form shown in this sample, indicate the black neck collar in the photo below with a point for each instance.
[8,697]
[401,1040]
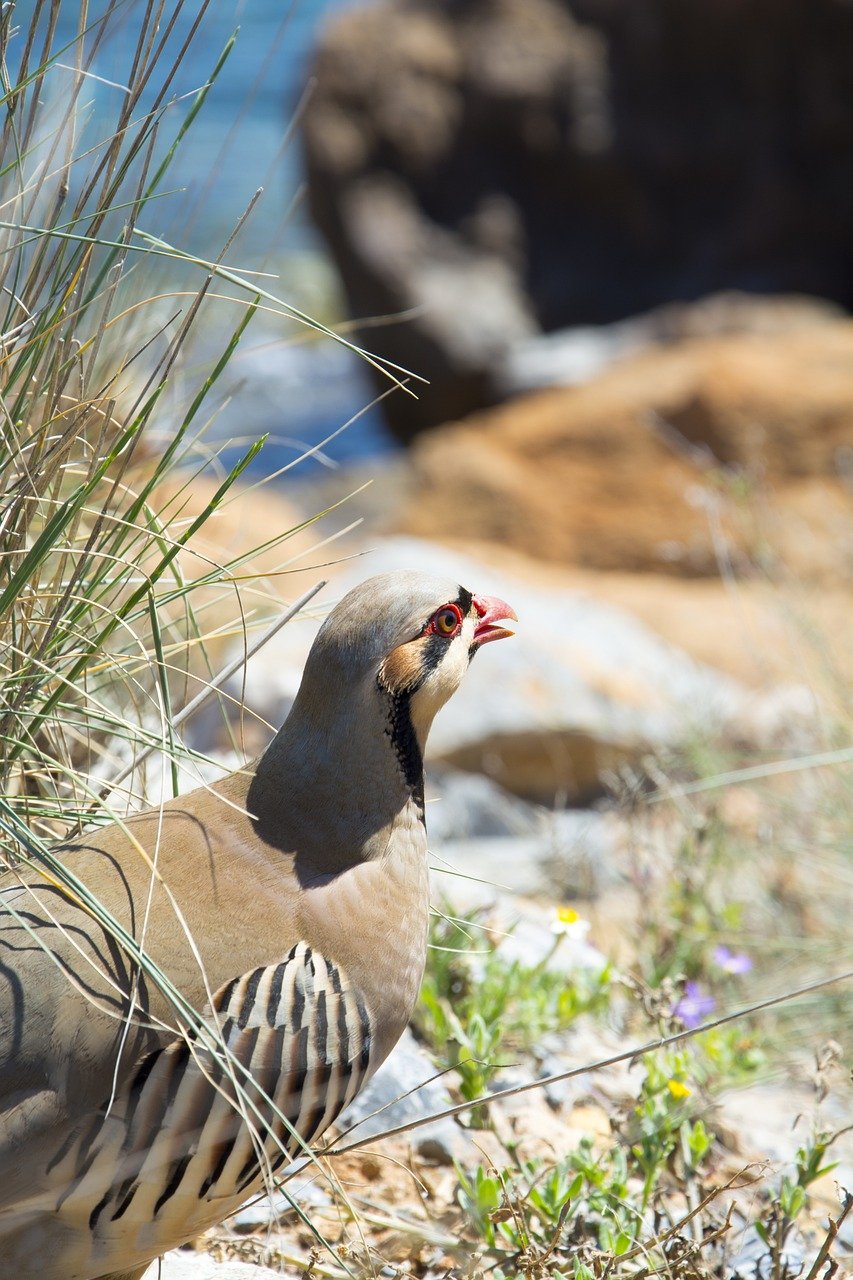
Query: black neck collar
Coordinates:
[406,746]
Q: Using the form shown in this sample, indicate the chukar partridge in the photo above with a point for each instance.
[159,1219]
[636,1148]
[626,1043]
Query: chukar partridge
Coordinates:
[289,901]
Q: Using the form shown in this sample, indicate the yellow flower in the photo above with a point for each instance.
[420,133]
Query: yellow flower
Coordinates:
[678,1089]
[567,915]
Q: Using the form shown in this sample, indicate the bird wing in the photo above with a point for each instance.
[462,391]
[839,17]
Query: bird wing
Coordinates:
[76,1012]
[184,1139]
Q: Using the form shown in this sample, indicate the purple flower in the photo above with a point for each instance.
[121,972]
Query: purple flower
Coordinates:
[731,963]
[694,1006]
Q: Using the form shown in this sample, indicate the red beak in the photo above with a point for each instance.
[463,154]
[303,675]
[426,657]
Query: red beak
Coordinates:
[492,611]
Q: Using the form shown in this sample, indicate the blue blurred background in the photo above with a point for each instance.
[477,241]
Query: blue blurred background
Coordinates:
[246,137]
[517,187]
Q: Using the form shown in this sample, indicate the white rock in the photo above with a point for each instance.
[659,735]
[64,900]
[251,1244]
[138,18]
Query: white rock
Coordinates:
[501,842]
[179,1264]
[569,356]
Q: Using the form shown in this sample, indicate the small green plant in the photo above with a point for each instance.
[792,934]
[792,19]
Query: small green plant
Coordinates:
[682,931]
[478,1009]
[728,1056]
[643,1202]
[656,1121]
[480,1194]
[518,1210]
[782,1213]
[547,1217]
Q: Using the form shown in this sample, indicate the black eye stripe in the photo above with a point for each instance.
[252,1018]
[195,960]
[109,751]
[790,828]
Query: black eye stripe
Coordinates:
[434,650]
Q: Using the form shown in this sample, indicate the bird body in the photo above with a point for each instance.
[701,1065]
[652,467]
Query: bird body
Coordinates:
[288,902]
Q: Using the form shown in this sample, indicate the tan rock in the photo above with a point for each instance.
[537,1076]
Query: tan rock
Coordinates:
[655,465]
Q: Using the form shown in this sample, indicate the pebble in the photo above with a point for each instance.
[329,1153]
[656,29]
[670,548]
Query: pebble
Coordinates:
[753,1261]
[462,805]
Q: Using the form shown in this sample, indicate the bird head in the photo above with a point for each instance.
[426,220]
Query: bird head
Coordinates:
[388,656]
[409,635]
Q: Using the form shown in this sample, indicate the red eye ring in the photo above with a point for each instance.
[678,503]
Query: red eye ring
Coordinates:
[445,622]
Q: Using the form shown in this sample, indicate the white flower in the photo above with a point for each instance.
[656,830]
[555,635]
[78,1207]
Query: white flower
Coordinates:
[568,924]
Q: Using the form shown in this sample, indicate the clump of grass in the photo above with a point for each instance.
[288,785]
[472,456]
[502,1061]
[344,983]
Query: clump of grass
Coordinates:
[104,594]
[97,618]
[649,1202]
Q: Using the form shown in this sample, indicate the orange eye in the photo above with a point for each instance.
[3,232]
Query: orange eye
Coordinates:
[446,622]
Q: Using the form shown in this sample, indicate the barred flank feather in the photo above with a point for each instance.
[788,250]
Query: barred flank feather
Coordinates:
[177,1137]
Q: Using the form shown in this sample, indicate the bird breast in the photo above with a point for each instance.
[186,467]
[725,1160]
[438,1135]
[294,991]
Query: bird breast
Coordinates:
[373,920]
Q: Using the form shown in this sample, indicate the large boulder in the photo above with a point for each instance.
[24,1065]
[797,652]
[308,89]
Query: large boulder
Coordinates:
[496,168]
[647,467]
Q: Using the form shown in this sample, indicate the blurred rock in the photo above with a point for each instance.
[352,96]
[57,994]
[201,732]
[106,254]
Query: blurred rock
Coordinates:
[472,872]
[583,687]
[571,356]
[463,806]
[569,854]
[497,169]
[762,630]
[525,848]
[646,468]
[771,1121]
[581,849]
[487,846]
[394,88]
[784,717]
